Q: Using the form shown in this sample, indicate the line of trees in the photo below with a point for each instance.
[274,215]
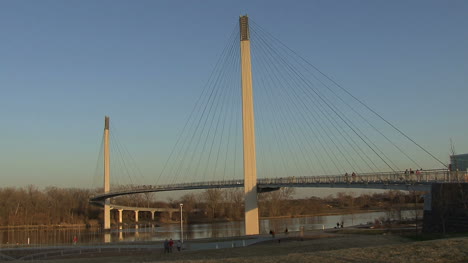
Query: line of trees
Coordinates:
[51,206]
[60,206]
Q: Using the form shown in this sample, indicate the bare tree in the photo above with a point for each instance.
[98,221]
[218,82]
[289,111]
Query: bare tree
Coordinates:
[213,198]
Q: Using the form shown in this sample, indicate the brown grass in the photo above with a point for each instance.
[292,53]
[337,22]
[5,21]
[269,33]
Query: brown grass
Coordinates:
[340,248]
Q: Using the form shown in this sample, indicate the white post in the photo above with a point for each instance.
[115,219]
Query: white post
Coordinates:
[181,225]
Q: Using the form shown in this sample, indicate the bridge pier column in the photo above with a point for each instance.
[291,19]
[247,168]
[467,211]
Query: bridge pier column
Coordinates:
[170,215]
[136,216]
[120,216]
[107,215]
[107,210]
[152,215]
[248,128]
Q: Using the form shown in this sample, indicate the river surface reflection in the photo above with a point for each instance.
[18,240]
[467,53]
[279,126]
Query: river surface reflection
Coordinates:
[47,236]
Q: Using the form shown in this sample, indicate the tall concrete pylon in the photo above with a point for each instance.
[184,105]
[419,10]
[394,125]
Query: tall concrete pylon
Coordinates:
[106,174]
[250,166]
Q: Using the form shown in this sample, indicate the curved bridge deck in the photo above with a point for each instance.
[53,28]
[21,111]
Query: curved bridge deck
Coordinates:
[393,180]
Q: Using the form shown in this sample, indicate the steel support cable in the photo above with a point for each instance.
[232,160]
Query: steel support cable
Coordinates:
[264,169]
[321,130]
[231,119]
[279,127]
[306,107]
[196,105]
[132,161]
[346,122]
[355,98]
[354,130]
[228,79]
[291,116]
[300,111]
[389,123]
[237,139]
[123,160]
[210,108]
[122,169]
[362,117]
[259,85]
[275,84]
[218,83]
[263,126]
[116,157]
[203,107]
[341,133]
[274,107]
[285,118]
[229,110]
[99,163]
[216,112]
[274,128]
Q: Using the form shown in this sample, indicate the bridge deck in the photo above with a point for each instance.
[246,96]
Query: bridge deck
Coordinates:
[393,180]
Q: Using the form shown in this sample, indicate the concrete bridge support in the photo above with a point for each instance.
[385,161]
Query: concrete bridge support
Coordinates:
[248,126]
[152,215]
[107,213]
[136,216]
[428,201]
[120,216]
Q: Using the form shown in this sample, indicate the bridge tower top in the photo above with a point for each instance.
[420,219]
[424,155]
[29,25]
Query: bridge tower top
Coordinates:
[244,28]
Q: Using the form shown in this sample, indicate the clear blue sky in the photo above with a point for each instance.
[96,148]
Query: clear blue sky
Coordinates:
[66,64]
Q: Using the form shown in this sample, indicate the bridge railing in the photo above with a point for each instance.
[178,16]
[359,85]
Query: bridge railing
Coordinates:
[395,177]
[422,176]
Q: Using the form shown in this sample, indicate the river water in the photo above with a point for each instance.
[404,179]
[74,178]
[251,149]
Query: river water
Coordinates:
[64,236]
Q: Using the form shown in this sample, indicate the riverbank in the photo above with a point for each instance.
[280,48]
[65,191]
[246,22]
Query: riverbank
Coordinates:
[59,226]
[95,225]
[343,245]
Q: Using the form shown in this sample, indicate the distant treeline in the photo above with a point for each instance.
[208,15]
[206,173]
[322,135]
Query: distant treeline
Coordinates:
[51,206]
[59,206]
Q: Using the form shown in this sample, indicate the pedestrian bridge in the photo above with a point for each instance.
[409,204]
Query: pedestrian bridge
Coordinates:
[388,180]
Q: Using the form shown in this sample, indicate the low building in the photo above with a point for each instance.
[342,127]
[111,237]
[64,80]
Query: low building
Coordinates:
[459,162]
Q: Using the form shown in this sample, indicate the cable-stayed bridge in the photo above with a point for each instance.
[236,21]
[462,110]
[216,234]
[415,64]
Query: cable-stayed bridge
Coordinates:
[307,131]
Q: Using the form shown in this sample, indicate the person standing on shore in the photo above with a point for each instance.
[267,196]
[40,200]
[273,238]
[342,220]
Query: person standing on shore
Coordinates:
[171,244]
[179,245]
[166,246]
